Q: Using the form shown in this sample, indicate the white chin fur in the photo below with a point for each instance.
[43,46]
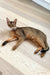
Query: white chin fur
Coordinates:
[13,28]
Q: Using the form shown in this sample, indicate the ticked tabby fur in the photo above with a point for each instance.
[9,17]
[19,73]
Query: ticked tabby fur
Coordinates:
[21,34]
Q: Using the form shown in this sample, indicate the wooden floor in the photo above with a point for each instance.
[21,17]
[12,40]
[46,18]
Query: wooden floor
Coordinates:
[23,59]
[27,9]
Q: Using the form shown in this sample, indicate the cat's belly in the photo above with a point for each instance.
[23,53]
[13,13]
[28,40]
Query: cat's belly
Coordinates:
[31,36]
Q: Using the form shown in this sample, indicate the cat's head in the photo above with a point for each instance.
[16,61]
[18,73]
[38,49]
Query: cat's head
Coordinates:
[11,24]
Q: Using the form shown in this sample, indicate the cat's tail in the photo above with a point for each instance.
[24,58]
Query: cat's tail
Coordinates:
[45,50]
[47,47]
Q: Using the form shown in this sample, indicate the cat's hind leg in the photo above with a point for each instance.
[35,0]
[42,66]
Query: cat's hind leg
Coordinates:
[36,51]
[41,44]
[42,54]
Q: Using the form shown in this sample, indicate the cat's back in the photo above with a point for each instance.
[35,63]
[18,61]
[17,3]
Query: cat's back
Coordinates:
[29,31]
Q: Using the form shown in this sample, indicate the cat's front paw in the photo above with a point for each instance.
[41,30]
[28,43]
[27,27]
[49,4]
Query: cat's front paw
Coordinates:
[4,43]
[14,47]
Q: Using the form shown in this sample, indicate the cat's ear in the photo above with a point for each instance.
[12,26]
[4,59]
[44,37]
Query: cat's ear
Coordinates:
[7,20]
[15,21]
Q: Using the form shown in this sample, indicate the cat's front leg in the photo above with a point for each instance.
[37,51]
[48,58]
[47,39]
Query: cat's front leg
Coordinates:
[9,40]
[20,40]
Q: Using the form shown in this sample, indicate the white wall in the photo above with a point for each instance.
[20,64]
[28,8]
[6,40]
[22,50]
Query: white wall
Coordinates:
[43,3]
[47,1]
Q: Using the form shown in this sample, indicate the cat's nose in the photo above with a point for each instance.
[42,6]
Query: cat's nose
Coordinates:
[11,22]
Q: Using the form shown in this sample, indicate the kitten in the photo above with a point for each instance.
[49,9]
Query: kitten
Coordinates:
[21,34]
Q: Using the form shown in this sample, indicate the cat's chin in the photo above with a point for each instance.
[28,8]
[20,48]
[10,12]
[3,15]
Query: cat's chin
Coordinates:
[13,28]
